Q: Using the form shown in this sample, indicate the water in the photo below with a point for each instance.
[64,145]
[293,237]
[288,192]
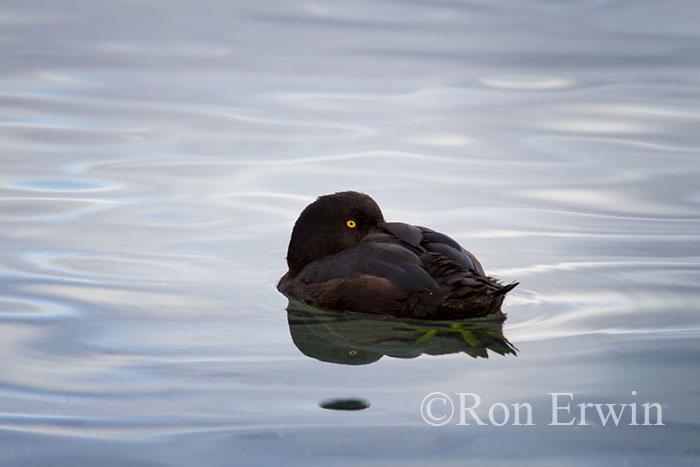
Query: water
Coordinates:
[155,156]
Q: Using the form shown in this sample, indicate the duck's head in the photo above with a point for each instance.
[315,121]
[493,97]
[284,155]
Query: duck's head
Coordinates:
[329,225]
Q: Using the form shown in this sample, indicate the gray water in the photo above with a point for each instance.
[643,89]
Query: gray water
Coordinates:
[154,156]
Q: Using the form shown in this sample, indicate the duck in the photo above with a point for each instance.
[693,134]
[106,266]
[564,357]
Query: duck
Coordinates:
[344,256]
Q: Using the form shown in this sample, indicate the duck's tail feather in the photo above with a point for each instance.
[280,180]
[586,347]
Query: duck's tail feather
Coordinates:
[506,288]
[466,292]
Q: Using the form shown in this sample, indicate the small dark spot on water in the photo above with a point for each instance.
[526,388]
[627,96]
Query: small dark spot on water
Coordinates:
[344,404]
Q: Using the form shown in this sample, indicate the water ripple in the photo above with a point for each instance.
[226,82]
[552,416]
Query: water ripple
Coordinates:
[43,209]
[65,185]
[528,83]
[99,267]
[23,308]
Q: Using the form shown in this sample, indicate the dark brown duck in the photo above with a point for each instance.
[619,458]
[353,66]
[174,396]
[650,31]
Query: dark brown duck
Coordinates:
[343,256]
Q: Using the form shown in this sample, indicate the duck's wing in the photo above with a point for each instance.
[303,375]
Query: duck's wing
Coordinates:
[371,277]
[424,239]
[465,290]
[437,242]
[376,258]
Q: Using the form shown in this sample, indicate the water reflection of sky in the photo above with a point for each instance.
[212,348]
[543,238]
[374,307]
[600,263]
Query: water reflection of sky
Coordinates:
[154,159]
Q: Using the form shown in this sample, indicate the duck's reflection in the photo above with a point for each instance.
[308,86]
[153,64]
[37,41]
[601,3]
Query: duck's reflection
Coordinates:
[360,339]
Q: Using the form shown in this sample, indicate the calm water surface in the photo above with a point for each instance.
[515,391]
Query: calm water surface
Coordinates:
[154,157]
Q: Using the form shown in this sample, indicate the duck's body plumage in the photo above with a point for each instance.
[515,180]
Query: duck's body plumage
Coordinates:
[386,268]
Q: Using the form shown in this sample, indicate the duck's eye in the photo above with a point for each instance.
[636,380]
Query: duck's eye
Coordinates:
[351,223]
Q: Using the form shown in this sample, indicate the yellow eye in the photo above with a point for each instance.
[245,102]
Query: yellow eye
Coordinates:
[351,224]
[353,352]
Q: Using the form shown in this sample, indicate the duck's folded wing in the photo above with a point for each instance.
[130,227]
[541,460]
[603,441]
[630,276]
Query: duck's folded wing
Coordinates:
[388,261]
[437,242]
[425,239]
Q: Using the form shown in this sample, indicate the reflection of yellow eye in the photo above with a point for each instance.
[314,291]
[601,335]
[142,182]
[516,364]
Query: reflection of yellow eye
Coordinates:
[351,224]
[353,352]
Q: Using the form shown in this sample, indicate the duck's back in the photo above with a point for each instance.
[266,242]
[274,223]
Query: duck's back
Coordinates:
[404,271]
